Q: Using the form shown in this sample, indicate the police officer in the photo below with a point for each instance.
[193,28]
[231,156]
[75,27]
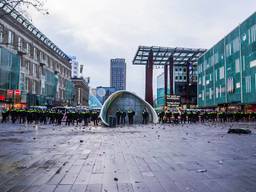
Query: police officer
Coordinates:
[5,115]
[118,116]
[168,115]
[183,117]
[86,117]
[176,117]
[131,114]
[95,116]
[145,116]
[123,115]
[161,116]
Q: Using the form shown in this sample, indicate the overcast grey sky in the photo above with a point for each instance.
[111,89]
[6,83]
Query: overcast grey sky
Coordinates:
[97,30]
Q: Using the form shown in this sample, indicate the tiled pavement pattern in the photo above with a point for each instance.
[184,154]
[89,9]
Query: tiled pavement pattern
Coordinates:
[155,158]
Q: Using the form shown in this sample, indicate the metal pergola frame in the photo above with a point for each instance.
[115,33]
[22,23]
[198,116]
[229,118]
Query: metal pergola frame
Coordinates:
[8,9]
[167,57]
[161,55]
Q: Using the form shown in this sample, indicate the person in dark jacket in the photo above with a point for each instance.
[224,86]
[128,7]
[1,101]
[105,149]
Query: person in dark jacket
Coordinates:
[118,116]
[145,116]
[131,114]
[123,115]
[95,116]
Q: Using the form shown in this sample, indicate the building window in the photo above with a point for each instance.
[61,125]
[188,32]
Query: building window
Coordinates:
[248,84]
[22,81]
[28,49]
[210,93]
[238,85]
[217,92]
[10,37]
[33,87]
[1,33]
[26,84]
[34,69]
[236,45]
[253,63]
[221,73]
[228,49]
[237,65]
[252,34]
[230,85]
[35,54]
[216,74]
[19,43]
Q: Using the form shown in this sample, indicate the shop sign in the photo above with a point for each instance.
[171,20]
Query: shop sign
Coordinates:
[17,92]
[2,98]
[10,92]
[172,100]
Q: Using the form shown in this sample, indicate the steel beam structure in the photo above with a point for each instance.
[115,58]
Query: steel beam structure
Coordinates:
[166,56]
[149,79]
[165,82]
[171,75]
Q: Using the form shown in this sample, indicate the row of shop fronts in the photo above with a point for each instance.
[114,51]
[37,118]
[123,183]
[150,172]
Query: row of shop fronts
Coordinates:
[16,92]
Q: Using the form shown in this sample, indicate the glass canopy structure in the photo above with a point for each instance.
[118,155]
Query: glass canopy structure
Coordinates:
[161,55]
[168,57]
[124,101]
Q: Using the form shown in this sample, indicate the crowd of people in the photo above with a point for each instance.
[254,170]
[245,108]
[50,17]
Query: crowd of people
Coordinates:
[204,116]
[121,116]
[67,117]
[50,116]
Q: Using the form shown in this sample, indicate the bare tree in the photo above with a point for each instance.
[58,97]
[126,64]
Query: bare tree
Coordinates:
[23,6]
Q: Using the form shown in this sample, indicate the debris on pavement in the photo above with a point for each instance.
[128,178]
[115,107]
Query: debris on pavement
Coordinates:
[239,131]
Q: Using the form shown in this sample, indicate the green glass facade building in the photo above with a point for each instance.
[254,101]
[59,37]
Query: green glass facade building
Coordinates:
[33,70]
[9,70]
[227,71]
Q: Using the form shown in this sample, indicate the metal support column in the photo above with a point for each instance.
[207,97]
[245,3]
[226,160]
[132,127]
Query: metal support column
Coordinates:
[149,79]
[165,83]
[188,82]
[171,75]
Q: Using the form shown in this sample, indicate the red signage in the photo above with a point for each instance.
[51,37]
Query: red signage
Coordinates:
[2,98]
[9,92]
[17,92]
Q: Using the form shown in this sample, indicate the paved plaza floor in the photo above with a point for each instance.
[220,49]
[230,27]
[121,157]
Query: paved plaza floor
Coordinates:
[154,158]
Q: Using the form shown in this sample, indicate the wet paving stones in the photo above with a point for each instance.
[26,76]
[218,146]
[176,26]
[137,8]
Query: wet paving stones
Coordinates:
[150,158]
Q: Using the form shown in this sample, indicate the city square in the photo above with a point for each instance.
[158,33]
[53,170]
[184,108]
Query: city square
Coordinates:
[127,96]
[189,157]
